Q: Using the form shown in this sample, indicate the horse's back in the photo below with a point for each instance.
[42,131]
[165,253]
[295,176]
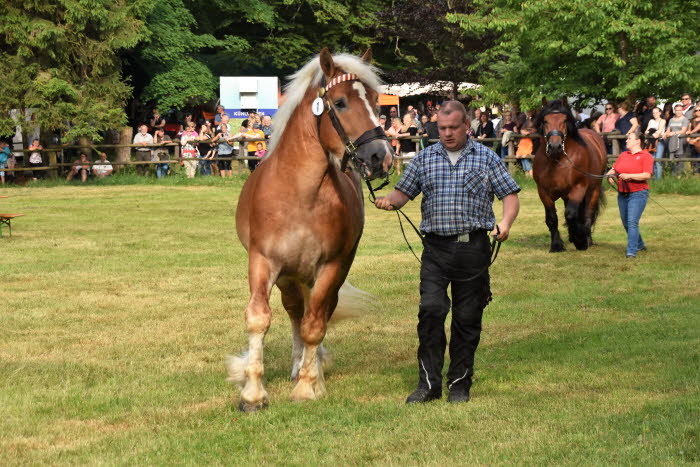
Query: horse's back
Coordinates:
[596,149]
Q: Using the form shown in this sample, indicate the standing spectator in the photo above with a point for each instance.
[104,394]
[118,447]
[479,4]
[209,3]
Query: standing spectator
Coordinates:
[382,122]
[485,130]
[393,113]
[162,153]
[80,166]
[103,168]
[633,168]
[225,149]
[606,123]
[627,123]
[687,106]
[526,145]
[258,122]
[392,133]
[220,112]
[5,154]
[204,148]
[506,132]
[677,126]
[667,112]
[694,142]
[189,151]
[251,135]
[407,131]
[646,116]
[423,131]
[157,121]
[654,132]
[475,121]
[35,159]
[267,127]
[432,130]
[143,153]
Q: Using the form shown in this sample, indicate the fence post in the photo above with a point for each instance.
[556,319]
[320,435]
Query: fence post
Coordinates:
[616,147]
[511,155]
[124,153]
[53,160]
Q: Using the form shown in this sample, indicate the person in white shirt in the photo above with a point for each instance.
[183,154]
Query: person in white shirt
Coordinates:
[103,168]
[143,154]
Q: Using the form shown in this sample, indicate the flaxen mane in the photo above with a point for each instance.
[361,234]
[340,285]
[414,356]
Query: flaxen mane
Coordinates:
[310,75]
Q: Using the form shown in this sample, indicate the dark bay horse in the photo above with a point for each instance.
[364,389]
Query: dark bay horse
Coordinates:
[300,214]
[568,165]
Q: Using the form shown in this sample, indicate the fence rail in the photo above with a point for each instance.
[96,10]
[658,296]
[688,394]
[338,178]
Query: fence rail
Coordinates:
[54,165]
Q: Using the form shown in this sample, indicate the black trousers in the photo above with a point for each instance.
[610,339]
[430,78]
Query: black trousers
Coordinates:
[448,262]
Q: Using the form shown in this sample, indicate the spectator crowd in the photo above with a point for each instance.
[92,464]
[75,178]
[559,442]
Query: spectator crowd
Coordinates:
[209,145]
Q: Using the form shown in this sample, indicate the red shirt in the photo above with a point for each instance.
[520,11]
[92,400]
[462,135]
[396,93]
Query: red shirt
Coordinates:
[628,163]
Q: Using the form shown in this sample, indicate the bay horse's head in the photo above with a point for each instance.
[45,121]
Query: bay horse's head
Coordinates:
[349,124]
[556,123]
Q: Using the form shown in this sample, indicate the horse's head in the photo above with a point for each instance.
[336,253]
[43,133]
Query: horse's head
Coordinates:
[556,123]
[350,122]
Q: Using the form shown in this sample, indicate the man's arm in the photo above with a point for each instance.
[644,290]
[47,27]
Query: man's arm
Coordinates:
[511,206]
[394,200]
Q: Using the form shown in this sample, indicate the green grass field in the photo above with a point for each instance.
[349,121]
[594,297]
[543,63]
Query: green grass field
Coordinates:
[120,302]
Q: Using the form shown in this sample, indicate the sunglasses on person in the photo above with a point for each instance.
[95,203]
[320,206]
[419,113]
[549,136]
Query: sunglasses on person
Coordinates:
[608,108]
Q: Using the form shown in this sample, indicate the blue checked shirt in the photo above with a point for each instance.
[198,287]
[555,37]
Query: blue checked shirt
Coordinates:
[457,198]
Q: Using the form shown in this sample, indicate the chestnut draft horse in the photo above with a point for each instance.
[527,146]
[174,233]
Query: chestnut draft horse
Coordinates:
[301,214]
[569,164]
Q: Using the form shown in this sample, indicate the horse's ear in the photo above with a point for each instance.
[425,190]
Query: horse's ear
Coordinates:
[565,101]
[327,64]
[544,101]
[367,56]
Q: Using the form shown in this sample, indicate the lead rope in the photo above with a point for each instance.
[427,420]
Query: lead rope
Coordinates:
[495,243]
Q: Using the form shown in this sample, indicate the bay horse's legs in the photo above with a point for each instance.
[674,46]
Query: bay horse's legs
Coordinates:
[293,302]
[550,218]
[575,217]
[591,210]
[322,301]
[257,318]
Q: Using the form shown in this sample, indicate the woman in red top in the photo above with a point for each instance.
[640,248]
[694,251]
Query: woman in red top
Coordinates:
[633,168]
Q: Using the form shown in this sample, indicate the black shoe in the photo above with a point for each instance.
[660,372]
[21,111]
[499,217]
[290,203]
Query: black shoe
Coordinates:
[458,395]
[424,395]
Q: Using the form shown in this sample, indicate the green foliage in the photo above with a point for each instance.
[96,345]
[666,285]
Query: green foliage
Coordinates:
[614,49]
[61,59]
[174,78]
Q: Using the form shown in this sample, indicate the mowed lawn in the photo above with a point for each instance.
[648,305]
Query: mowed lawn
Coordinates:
[118,305]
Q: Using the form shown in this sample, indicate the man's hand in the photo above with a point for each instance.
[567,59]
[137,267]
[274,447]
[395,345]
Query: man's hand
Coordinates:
[504,230]
[383,203]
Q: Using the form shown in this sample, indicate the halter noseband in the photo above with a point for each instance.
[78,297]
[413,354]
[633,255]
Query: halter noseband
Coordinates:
[351,147]
[555,133]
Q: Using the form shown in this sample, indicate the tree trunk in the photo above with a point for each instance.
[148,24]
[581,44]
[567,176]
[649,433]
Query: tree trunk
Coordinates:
[85,146]
[124,154]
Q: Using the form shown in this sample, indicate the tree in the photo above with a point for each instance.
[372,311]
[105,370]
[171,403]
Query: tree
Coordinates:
[611,49]
[422,46]
[61,59]
[166,64]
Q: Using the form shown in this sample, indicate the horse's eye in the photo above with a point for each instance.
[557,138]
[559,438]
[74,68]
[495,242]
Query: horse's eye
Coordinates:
[339,103]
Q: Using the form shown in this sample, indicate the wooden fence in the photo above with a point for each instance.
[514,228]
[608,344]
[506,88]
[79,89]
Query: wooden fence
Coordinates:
[54,165]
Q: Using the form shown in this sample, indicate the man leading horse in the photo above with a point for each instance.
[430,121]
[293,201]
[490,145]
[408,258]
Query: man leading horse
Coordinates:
[458,178]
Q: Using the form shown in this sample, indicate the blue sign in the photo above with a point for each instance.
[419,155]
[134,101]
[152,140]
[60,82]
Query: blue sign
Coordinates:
[238,113]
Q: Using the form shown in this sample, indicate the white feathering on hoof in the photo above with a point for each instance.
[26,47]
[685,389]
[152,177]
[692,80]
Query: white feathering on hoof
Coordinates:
[236,365]
[352,302]
[324,356]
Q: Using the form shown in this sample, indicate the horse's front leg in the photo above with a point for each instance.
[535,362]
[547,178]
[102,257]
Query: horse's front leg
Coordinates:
[322,301]
[592,209]
[550,218]
[247,370]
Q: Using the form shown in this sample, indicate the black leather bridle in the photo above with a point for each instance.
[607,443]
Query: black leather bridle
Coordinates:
[351,147]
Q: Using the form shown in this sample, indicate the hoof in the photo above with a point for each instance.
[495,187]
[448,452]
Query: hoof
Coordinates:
[247,407]
[557,249]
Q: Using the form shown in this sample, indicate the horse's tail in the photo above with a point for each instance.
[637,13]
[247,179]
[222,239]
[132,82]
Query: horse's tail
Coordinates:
[352,302]
[602,202]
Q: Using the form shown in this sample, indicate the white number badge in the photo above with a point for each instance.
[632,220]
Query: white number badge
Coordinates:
[317,106]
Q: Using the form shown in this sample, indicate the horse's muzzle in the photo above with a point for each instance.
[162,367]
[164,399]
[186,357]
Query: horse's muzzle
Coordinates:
[376,158]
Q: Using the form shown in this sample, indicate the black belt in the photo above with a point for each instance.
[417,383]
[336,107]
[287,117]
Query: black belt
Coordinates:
[462,238]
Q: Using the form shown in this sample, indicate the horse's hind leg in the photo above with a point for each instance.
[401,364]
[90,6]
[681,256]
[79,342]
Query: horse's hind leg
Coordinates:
[248,371]
[552,221]
[592,207]
[322,301]
[575,217]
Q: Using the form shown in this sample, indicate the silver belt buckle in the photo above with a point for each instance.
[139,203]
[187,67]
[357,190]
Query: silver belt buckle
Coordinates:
[463,238]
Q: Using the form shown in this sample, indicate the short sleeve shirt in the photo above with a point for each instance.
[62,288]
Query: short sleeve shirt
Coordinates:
[639,162]
[457,198]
